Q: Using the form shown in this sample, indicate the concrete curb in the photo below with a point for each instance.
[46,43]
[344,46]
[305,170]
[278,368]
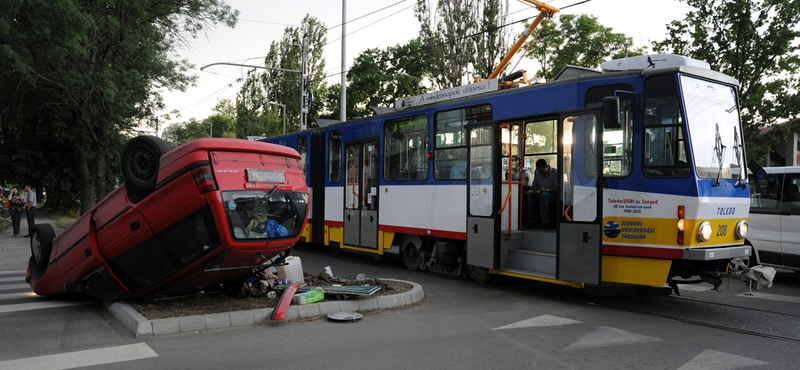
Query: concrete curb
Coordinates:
[139,326]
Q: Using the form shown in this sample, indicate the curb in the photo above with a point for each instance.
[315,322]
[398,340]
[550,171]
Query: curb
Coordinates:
[139,326]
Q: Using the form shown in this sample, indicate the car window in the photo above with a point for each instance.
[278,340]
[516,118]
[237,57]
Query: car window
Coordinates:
[791,193]
[191,237]
[765,194]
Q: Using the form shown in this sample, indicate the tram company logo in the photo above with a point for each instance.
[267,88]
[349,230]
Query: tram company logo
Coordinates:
[611,229]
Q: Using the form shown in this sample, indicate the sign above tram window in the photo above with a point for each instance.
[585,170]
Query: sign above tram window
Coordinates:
[447,94]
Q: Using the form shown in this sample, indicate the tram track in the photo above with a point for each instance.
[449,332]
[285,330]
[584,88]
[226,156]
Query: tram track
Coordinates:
[758,322]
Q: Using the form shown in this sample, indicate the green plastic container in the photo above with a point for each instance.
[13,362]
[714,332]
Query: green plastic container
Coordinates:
[311,296]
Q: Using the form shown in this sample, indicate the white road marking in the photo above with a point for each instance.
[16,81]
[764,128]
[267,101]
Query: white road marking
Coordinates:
[539,321]
[771,297]
[605,336]
[13,272]
[715,360]
[10,279]
[701,287]
[18,295]
[14,286]
[91,357]
[41,305]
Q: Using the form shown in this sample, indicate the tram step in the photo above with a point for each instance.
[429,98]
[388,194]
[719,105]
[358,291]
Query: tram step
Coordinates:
[539,241]
[530,260]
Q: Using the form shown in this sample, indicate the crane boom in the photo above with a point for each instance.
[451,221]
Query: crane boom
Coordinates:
[544,11]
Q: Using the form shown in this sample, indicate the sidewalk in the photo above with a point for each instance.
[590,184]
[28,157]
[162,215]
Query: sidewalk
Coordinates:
[15,252]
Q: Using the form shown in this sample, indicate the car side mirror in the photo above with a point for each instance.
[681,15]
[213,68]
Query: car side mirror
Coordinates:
[611,112]
[756,169]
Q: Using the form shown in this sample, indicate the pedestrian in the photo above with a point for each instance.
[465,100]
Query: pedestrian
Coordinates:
[542,196]
[30,208]
[16,203]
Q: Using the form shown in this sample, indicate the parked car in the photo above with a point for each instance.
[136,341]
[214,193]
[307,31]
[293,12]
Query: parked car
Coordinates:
[775,217]
[194,218]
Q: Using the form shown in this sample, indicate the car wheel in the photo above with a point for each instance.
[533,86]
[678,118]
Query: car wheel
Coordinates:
[140,163]
[41,244]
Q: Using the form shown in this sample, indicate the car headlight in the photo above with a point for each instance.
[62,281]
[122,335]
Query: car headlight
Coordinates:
[704,232]
[741,229]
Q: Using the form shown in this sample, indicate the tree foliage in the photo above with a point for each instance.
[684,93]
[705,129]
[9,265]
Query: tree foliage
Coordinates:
[460,34]
[255,115]
[577,40]
[756,42]
[78,75]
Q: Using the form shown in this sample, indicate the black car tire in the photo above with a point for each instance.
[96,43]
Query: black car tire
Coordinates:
[42,244]
[140,163]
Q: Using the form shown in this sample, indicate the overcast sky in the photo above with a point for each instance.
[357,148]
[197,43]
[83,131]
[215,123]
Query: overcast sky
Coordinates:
[263,21]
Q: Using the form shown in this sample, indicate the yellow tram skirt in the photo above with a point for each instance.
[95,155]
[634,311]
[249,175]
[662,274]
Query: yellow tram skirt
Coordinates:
[635,270]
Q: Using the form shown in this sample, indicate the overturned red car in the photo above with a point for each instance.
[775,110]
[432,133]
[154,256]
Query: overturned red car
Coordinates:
[191,219]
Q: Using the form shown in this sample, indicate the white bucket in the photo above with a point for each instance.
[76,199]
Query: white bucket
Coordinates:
[293,271]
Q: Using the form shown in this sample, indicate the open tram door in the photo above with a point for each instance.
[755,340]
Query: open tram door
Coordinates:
[483,220]
[580,242]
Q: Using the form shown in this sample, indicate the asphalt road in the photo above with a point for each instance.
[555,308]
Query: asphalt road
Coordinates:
[507,324]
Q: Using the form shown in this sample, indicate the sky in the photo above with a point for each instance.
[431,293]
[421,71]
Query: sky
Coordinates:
[370,24]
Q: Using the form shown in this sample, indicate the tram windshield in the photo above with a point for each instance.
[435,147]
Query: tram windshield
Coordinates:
[712,114]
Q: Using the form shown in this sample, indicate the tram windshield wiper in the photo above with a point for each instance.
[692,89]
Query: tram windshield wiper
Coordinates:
[719,151]
[738,148]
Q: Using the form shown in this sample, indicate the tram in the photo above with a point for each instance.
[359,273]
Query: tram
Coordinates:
[651,182]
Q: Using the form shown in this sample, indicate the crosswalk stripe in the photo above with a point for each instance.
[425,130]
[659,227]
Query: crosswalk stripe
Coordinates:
[13,272]
[14,286]
[40,305]
[91,357]
[10,279]
[17,295]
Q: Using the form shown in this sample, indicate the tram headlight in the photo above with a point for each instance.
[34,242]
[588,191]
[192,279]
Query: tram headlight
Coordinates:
[704,232]
[741,229]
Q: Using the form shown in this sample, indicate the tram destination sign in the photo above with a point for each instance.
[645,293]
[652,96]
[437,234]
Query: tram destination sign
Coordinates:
[447,94]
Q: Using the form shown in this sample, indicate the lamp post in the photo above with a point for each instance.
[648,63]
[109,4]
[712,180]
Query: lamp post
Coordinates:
[414,77]
[210,128]
[283,113]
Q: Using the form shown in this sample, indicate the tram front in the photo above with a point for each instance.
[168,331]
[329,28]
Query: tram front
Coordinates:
[693,160]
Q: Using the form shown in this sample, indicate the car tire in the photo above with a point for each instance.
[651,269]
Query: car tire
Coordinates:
[41,245]
[140,164]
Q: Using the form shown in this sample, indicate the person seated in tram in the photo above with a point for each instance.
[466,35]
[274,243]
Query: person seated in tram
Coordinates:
[542,196]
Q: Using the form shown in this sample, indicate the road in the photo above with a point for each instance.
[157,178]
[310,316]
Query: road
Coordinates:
[507,324]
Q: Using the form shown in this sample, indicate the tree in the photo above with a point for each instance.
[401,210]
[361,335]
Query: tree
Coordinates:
[492,44]
[255,115]
[576,40]
[443,30]
[78,75]
[756,42]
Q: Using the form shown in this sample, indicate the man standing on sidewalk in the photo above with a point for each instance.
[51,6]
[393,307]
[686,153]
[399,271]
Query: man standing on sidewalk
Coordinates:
[30,208]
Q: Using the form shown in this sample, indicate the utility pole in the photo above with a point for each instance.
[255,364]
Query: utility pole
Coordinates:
[304,83]
[343,92]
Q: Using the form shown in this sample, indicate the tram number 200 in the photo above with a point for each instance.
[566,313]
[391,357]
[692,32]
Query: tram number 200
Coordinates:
[722,230]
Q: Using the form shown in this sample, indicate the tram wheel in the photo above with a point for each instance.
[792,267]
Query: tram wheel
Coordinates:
[412,257]
[480,275]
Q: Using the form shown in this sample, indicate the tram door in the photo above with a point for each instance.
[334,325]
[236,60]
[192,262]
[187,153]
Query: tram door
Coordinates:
[483,221]
[361,195]
[580,236]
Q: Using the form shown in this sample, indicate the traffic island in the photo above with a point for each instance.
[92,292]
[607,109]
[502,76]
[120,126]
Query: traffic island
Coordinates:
[139,326]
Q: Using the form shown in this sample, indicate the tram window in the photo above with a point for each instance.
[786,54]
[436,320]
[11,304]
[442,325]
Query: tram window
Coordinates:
[617,143]
[664,140]
[302,148]
[450,147]
[335,157]
[406,149]
[540,143]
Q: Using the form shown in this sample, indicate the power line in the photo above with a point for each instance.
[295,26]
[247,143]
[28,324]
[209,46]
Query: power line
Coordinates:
[390,15]
[368,14]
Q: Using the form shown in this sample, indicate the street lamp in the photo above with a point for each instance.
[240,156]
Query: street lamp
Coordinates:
[283,113]
[414,77]
[210,128]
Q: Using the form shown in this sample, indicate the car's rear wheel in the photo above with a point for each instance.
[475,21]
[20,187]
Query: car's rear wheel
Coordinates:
[42,244]
[140,164]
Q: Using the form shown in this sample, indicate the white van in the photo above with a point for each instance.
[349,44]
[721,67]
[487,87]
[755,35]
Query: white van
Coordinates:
[775,217]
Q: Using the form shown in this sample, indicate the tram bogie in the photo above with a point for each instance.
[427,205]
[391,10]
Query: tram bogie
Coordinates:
[649,181]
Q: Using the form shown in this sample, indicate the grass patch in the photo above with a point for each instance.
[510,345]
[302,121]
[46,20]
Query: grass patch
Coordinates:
[62,221]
